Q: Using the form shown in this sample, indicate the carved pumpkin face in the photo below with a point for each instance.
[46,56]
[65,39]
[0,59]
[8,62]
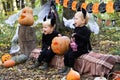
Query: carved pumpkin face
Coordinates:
[6,57]
[60,45]
[26,18]
[73,75]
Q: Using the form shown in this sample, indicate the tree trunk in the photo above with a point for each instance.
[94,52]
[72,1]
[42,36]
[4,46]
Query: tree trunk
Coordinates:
[27,39]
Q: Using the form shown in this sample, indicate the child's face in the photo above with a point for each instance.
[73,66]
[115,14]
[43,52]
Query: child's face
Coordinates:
[47,29]
[78,19]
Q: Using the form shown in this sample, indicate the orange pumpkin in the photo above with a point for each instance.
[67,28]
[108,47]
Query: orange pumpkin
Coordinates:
[116,75]
[60,44]
[26,18]
[6,57]
[109,7]
[9,63]
[73,75]
[95,8]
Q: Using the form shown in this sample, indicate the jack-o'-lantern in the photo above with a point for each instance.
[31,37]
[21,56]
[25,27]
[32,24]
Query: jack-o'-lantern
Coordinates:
[73,75]
[5,57]
[26,17]
[60,44]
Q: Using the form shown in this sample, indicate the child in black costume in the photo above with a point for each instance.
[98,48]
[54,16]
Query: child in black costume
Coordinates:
[81,37]
[49,33]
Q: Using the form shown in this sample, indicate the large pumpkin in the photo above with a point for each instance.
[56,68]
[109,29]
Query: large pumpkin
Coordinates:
[26,17]
[20,58]
[60,44]
[5,57]
[73,75]
[9,63]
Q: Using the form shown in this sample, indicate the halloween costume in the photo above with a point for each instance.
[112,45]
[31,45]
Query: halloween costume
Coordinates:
[46,53]
[81,45]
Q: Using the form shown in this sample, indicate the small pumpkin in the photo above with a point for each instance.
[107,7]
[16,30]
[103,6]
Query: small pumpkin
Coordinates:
[9,63]
[116,75]
[60,44]
[26,17]
[20,58]
[73,75]
[5,57]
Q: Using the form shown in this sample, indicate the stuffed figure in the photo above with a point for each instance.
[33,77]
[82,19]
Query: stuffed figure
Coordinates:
[26,33]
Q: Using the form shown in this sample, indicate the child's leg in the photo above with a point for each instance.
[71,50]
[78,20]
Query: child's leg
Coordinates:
[48,57]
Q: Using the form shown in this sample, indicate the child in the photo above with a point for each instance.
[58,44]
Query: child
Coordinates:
[81,44]
[48,34]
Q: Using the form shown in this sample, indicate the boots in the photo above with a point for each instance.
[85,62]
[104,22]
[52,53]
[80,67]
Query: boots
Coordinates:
[44,66]
[37,64]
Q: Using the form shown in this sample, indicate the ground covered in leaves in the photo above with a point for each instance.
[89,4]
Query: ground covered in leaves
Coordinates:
[20,72]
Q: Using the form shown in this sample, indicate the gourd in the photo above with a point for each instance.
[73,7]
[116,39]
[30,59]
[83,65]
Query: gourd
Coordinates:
[60,44]
[5,57]
[26,17]
[73,75]
[20,58]
[9,63]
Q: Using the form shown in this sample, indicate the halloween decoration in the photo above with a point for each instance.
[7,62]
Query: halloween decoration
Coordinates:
[9,63]
[89,7]
[109,7]
[117,6]
[74,5]
[57,1]
[26,18]
[102,7]
[84,5]
[20,58]
[65,3]
[73,75]
[5,57]
[95,8]
[60,44]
